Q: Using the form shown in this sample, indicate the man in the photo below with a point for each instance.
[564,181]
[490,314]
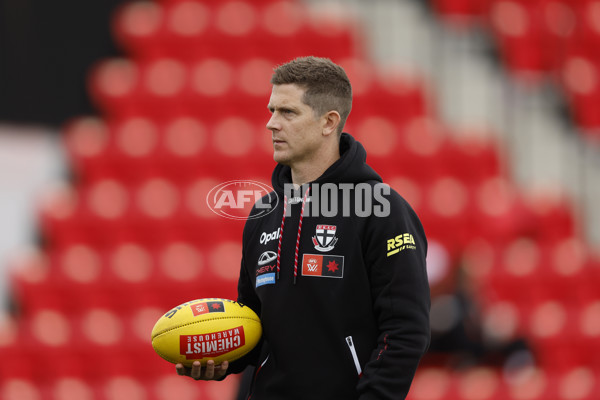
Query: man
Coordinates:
[341,288]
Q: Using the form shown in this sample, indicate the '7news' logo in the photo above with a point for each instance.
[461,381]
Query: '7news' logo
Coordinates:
[234,199]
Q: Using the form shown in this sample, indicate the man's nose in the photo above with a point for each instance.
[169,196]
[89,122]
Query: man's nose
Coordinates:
[272,123]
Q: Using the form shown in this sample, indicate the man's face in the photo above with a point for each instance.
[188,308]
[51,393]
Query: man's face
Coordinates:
[296,130]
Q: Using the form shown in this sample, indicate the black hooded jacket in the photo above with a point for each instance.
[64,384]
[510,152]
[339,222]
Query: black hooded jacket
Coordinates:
[337,275]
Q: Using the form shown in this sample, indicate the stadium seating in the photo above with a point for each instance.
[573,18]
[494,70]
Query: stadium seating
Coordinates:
[542,41]
[185,110]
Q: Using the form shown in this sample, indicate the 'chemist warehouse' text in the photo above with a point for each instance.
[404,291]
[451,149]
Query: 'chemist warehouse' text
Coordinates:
[212,344]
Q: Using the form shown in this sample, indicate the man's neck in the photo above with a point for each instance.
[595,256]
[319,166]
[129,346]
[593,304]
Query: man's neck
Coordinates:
[309,171]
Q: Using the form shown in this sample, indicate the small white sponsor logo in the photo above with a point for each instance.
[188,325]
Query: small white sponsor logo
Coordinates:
[297,199]
[267,257]
[267,237]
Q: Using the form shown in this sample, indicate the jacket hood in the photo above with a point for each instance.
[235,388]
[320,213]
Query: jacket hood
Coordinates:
[351,167]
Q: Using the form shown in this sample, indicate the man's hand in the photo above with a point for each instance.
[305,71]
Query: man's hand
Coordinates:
[208,373]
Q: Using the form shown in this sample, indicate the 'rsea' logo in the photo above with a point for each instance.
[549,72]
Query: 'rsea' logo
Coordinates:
[234,199]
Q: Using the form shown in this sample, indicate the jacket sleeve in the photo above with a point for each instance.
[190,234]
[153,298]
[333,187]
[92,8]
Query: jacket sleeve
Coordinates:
[395,248]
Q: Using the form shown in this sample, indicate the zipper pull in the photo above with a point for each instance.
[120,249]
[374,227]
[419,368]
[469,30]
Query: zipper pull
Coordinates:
[354,355]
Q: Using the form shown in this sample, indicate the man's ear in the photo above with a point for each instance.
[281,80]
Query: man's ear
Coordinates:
[331,122]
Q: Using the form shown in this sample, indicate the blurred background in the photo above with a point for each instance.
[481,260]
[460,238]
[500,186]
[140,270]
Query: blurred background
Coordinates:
[118,117]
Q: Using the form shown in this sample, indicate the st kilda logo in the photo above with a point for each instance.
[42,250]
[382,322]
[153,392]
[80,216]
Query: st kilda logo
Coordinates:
[235,199]
[324,239]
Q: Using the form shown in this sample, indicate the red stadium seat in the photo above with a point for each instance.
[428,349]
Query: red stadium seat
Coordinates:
[233,138]
[137,325]
[223,264]
[473,158]
[158,89]
[532,384]
[14,348]
[80,274]
[122,387]
[190,30]
[195,195]
[219,88]
[58,209]
[408,188]
[567,273]
[86,139]
[211,80]
[449,199]
[417,151]
[133,148]
[588,332]
[100,327]
[188,18]
[108,199]
[236,18]
[333,33]
[183,271]
[131,269]
[578,383]
[480,383]
[552,213]
[184,142]
[20,389]
[104,209]
[514,277]
[481,257]
[551,328]
[587,30]
[253,77]
[379,136]
[234,141]
[284,18]
[502,321]
[580,69]
[71,387]
[558,23]
[123,148]
[149,87]
[46,332]
[86,215]
[169,386]
[226,389]
[498,211]
[516,26]
[431,384]
[158,199]
[112,85]
[581,79]
[444,210]
[32,282]
[138,25]
[386,93]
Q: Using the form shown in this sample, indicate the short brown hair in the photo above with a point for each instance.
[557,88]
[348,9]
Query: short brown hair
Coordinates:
[326,84]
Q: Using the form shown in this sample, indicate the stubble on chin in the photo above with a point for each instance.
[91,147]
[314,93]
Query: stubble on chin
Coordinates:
[281,157]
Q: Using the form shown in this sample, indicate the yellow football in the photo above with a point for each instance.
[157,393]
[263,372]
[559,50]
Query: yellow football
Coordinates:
[206,329]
